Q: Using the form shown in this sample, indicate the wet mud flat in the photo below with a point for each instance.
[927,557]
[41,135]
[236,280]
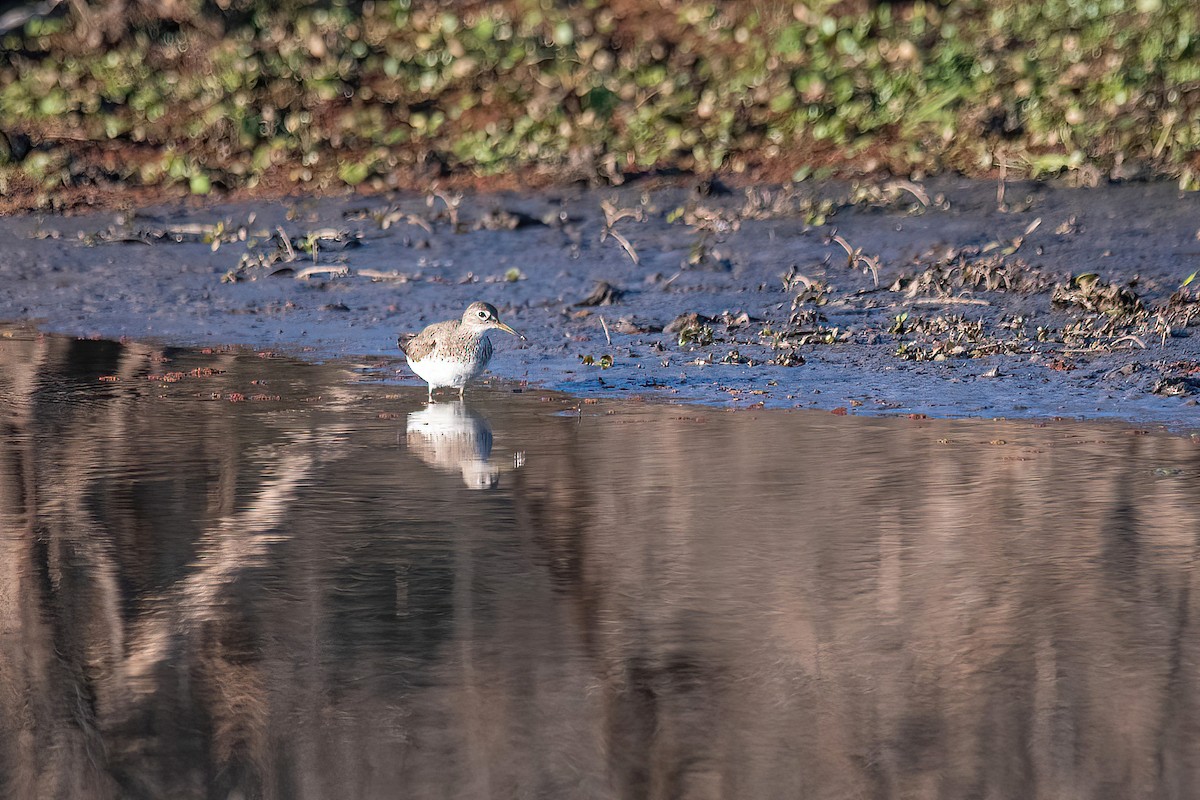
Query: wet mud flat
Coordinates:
[949,298]
[228,575]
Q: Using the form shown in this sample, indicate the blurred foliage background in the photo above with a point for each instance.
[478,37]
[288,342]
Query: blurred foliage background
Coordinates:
[279,96]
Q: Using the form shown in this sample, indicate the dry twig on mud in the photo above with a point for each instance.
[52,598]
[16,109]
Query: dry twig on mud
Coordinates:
[613,215]
[915,189]
[856,260]
[308,272]
[950,301]
[452,203]
[380,275]
[287,243]
[387,216]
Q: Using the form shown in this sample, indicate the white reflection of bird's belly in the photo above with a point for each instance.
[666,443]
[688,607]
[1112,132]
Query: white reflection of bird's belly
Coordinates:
[438,372]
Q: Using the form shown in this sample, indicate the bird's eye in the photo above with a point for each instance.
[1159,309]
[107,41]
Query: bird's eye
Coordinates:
[483,314]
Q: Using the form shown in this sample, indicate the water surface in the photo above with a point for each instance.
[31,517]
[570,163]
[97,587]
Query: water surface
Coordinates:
[229,576]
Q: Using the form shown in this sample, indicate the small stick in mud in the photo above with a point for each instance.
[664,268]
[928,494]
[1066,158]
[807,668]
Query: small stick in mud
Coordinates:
[854,257]
[912,188]
[1002,185]
[628,247]
[951,301]
[604,325]
[1129,338]
[380,275]
[287,243]
[613,215]
[452,203]
[308,272]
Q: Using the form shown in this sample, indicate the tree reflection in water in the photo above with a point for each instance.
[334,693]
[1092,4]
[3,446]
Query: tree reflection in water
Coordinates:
[301,597]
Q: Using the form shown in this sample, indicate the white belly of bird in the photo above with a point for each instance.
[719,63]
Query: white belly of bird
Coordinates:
[440,372]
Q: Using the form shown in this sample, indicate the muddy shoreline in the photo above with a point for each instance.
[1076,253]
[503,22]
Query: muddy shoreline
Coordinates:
[945,298]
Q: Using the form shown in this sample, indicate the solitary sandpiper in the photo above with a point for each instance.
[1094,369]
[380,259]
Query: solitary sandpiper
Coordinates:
[453,352]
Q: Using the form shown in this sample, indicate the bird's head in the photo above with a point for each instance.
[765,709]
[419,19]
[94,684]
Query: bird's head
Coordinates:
[485,316]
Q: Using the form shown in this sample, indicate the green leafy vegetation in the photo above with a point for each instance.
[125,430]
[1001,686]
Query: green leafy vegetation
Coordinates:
[273,97]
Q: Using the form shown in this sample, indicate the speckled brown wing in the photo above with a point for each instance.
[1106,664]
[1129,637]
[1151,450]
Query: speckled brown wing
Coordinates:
[425,342]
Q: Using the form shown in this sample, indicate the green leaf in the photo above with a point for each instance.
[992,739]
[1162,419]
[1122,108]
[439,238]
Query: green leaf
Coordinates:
[199,184]
[353,173]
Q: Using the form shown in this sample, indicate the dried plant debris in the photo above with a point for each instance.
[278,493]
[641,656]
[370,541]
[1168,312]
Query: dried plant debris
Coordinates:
[685,320]
[633,325]
[735,356]
[803,330]
[444,208]
[1176,387]
[1181,310]
[966,269]
[602,294]
[603,362]
[278,254]
[614,214]
[787,357]
[808,291]
[766,202]
[688,320]
[704,258]
[696,334]
[330,239]
[897,195]
[692,329]
[387,216]
[729,320]
[937,338]
[212,234]
[1068,227]
[1089,292]
[947,336]
[712,186]
[502,219]
[1179,379]
[735,320]
[1100,334]
[856,259]
[707,219]
[816,211]
[806,320]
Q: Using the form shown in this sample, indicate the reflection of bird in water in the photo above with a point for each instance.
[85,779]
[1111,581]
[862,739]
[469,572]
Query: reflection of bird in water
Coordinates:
[453,352]
[452,438]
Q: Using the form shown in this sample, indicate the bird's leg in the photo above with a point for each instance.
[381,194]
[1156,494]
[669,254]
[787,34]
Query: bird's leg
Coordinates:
[462,390]
[431,393]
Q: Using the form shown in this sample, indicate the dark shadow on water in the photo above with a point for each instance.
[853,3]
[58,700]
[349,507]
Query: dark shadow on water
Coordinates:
[230,576]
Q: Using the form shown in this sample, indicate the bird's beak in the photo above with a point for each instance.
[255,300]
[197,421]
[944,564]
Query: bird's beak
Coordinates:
[507,329]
